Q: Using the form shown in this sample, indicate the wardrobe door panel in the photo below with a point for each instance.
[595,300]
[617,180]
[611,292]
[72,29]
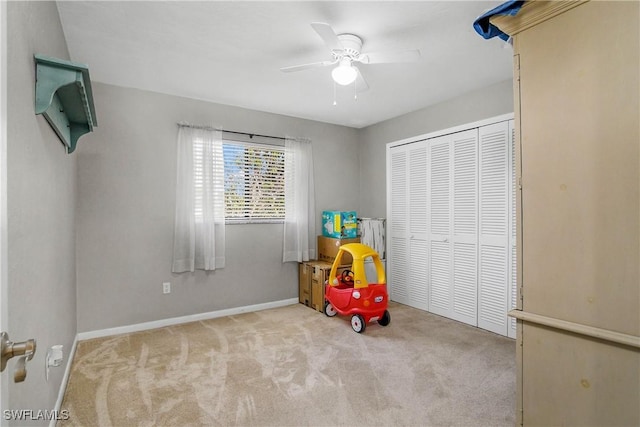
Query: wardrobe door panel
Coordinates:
[418,287]
[464,287]
[494,212]
[398,252]
[440,201]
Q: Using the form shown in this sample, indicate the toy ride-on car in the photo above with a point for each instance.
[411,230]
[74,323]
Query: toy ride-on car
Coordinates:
[350,294]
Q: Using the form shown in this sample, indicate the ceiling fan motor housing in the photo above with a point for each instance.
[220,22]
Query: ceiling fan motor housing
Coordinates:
[352,45]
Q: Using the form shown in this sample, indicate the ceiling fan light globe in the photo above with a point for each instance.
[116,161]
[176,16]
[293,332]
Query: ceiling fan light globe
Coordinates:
[344,75]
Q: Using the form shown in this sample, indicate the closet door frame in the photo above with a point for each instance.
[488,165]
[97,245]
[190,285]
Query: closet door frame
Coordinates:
[390,218]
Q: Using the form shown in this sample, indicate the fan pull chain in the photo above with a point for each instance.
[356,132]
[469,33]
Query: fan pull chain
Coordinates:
[355,89]
[334,94]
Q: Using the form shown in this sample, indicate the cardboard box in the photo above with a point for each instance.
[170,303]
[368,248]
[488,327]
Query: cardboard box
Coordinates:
[317,295]
[304,284]
[319,276]
[328,249]
[339,224]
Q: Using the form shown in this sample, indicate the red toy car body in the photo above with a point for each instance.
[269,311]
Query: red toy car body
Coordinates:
[350,294]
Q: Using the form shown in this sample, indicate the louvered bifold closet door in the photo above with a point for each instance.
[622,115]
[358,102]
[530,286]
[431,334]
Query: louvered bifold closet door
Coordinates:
[465,227]
[494,230]
[418,285]
[453,188]
[397,226]
[440,207]
[513,270]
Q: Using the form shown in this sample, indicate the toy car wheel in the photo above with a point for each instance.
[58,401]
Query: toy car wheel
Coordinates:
[329,310]
[357,323]
[385,319]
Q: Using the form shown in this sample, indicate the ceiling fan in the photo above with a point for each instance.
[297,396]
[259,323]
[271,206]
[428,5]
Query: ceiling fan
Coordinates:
[346,49]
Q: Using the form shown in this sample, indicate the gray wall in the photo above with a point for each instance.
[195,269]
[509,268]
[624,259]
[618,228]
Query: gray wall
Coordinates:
[127,194]
[41,203]
[126,199]
[118,239]
[473,106]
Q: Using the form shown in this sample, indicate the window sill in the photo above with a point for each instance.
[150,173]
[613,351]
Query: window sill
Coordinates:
[253,221]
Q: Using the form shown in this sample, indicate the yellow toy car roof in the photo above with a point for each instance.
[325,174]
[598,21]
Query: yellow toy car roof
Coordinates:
[359,252]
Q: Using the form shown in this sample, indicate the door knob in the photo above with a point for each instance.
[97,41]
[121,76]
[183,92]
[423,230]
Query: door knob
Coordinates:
[9,349]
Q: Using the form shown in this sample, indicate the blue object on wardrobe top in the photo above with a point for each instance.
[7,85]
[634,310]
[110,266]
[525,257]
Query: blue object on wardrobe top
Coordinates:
[488,30]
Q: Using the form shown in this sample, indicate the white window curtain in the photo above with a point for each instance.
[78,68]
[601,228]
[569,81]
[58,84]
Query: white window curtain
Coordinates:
[199,234]
[299,217]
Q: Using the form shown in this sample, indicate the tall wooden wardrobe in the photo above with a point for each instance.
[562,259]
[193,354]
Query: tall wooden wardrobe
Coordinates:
[577,70]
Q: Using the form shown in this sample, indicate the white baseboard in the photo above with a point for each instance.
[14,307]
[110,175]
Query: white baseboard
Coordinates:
[183,319]
[65,381]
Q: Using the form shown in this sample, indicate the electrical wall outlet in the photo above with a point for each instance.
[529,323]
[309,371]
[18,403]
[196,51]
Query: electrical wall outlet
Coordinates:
[166,288]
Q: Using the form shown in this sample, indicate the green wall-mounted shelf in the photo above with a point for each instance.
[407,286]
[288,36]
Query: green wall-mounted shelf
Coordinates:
[64,97]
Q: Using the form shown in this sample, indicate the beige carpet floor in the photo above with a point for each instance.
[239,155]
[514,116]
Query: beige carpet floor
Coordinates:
[293,366]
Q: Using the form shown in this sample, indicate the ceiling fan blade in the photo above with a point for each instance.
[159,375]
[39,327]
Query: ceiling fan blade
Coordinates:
[361,83]
[306,66]
[389,57]
[328,35]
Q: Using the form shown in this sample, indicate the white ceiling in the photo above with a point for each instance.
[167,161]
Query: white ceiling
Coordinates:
[231,52]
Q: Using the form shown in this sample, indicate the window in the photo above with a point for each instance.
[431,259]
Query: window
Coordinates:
[222,181]
[253,181]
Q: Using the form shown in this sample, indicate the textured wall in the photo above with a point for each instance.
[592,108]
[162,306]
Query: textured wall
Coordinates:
[473,106]
[126,202]
[41,203]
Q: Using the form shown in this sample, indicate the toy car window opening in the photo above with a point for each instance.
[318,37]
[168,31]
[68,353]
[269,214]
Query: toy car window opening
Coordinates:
[346,278]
